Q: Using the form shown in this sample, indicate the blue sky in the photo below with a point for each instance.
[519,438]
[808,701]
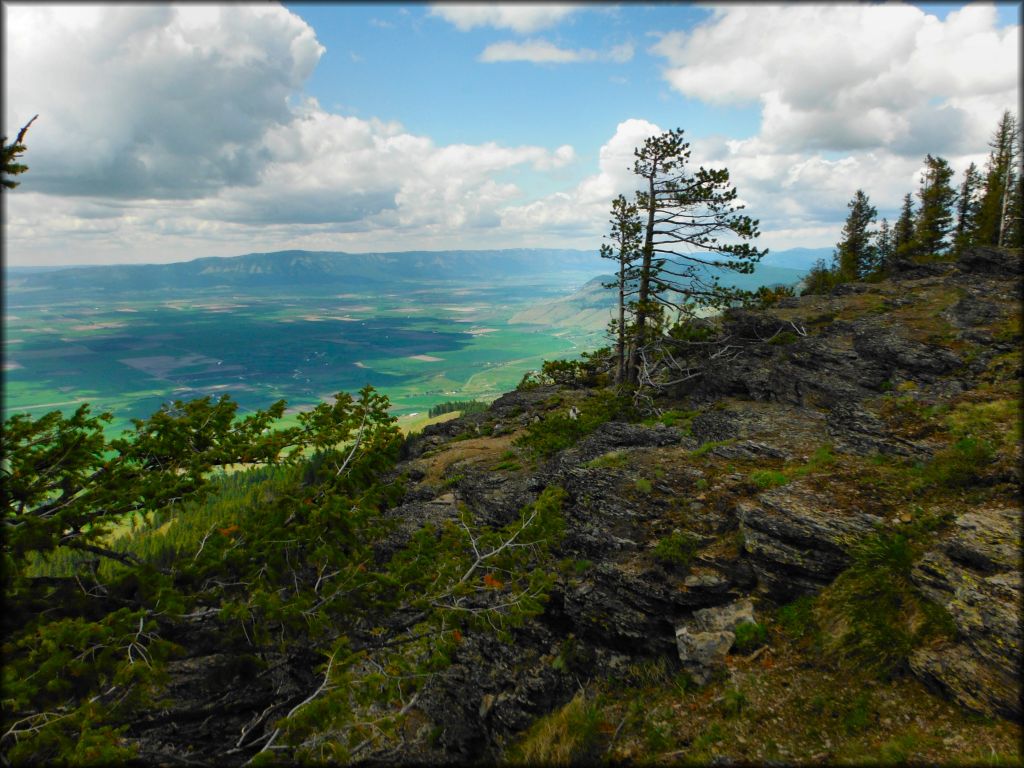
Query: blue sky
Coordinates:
[169,132]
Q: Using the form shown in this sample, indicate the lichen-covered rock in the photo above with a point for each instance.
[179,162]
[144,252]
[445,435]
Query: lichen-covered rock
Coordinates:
[874,341]
[704,641]
[797,537]
[975,574]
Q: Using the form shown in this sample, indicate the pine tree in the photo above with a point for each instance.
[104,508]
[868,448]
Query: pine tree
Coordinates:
[1014,235]
[11,153]
[625,249]
[935,217]
[691,210]
[967,209]
[885,248]
[903,231]
[1001,173]
[855,253]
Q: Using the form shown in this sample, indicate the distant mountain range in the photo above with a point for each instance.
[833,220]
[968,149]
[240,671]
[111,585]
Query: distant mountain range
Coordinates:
[308,269]
[335,268]
[797,258]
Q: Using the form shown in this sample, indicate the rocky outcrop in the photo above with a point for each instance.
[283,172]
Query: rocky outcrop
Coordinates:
[705,640]
[797,538]
[991,261]
[873,341]
[975,574]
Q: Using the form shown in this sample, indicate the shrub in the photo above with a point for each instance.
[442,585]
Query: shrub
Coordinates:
[643,485]
[873,613]
[749,636]
[676,549]
[960,464]
[797,618]
[558,432]
[770,296]
[768,478]
[610,460]
[820,279]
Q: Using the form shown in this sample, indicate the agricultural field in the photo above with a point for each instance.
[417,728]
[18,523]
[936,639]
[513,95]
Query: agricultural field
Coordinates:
[423,344]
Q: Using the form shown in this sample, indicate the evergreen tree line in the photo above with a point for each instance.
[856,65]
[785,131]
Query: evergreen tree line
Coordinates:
[986,209]
[465,406]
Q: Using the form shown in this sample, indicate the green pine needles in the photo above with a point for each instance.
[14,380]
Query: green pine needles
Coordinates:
[114,547]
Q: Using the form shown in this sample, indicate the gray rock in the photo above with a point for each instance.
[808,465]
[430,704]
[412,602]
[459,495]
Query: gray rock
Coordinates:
[703,653]
[975,574]
[704,641]
[874,341]
[986,260]
[797,538]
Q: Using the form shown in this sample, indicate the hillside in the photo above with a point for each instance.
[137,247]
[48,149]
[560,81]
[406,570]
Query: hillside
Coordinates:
[810,552]
[592,305]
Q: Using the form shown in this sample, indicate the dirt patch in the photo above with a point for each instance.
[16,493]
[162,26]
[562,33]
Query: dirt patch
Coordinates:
[471,451]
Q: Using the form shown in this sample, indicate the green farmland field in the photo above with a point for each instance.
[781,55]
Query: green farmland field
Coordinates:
[421,345]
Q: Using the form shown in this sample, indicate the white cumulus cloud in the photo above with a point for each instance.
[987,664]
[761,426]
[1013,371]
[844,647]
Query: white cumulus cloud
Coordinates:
[847,77]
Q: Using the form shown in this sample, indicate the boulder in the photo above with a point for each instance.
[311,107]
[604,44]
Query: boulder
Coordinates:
[975,574]
[705,641]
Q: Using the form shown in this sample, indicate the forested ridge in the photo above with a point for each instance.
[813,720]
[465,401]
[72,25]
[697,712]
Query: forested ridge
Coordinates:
[685,545]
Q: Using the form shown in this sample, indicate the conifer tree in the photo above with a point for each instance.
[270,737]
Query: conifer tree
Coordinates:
[903,231]
[885,248]
[967,209]
[935,217]
[1001,173]
[11,153]
[855,253]
[691,210]
[1014,234]
[624,249]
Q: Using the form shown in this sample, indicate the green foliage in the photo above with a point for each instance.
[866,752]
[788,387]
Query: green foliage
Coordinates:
[768,478]
[558,432]
[706,448]
[674,418]
[767,297]
[690,220]
[873,614]
[148,534]
[11,153]
[820,280]
[749,637]
[935,217]
[610,460]
[1002,177]
[960,464]
[463,406]
[734,701]
[857,255]
[797,618]
[509,462]
[643,485]
[677,549]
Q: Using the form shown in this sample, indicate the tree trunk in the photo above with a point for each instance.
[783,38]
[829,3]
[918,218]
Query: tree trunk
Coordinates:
[644,289]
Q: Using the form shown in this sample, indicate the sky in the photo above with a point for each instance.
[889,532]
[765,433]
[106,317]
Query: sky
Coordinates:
[171,132]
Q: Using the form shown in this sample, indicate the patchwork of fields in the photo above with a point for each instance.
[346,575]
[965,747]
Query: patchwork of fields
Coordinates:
[421,345]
